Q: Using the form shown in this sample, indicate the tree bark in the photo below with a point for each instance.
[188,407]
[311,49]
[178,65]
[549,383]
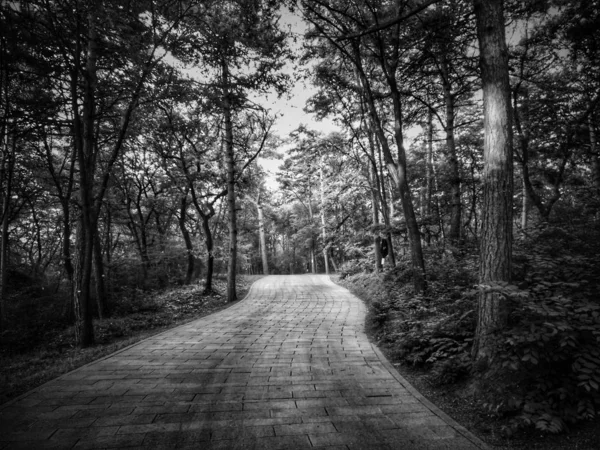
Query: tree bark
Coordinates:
[261,237]
[101,297]
[455,188]
[323,220]
[375,206]
[398,173]
[189,247]
[7,169]
[85,228]
[496,222]
[312,252]
[386,209]
[67,258]
[594,151]
[524,208]
[210,257]
[230,165]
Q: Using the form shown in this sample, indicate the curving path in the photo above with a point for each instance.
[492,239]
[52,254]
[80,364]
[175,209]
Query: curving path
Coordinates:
[288,367]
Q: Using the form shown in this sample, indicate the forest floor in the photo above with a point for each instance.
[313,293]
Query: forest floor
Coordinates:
[455,398]
[28,361]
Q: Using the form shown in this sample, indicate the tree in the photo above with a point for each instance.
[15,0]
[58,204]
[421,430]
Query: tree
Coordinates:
[242,49]
[383,46]
[496,220]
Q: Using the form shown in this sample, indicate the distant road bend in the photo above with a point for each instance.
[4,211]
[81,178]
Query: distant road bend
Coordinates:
[289,367]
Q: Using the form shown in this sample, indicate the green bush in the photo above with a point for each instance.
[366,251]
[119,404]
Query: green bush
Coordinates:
[546,369]
[551,356]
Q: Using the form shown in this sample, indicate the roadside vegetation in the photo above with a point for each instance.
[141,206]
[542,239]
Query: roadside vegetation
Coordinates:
[42,347]
[457,189]
[544,377]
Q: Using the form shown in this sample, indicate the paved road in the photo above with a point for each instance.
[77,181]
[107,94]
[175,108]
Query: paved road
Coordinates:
[288,367]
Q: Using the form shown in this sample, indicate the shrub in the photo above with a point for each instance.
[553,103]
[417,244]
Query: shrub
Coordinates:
[551,358]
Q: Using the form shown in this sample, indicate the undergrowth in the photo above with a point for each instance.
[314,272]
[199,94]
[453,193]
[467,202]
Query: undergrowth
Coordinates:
[28,360]
[546,369]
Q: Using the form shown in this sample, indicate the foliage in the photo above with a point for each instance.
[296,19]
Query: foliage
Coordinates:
[546,372]
[43,348]
[433,332]
[550,354]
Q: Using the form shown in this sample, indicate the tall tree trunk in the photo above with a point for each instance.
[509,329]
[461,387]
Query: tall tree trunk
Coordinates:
[323,220]
[312,252]
[594,151]
[428,188]
[496,223]
[398,173]
[375,216]
[210,257]
[101,297]
[261,237]
[375,203]
[67,259]
[387,209]
[84,328]
[455,189]
[429,161]
[522,131]
[85,229]
[189,248]
[230,165]
[293,263]
[7,169]
[108,249]
[525,208]
[382,141]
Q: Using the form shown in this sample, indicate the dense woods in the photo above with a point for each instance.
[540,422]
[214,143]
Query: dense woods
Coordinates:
[463,173]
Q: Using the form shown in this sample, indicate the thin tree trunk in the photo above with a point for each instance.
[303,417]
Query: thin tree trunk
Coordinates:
[429,163]
[594,151]
[455,188]
[521,128]
[67,260]
[101,298]
[8,164]
[496,223]
[210,257]
[293,263]
[85,239]
[427,194]
[84,329]
[261,237]
[189,247]
[323,220]
[230,165]
[375,203]
[387,209]
[525,209]
[398,173]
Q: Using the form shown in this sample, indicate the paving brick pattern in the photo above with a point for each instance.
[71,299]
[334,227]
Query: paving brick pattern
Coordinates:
[289,367]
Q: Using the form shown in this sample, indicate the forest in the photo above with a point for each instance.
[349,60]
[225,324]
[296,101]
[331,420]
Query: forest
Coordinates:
[458,193]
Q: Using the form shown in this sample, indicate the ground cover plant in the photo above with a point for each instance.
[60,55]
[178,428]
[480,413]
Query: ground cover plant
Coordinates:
[545,376]
[44,347]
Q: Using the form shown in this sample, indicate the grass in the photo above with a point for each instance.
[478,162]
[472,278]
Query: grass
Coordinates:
[28,363]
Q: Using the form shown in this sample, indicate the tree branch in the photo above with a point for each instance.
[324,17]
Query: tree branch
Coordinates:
[389,23]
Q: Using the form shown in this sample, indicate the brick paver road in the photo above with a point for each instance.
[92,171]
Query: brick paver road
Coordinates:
[288,367]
